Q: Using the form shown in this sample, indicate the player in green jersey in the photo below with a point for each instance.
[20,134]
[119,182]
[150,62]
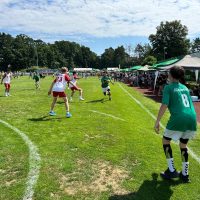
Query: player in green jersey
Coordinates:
[105,80]
[182,124]
[36,77]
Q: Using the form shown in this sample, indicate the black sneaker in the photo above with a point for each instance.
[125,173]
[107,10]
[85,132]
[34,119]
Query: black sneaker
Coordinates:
[169,175]
[185,178]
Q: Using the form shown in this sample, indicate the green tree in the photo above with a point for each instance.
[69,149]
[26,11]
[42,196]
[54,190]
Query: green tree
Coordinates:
[170,40]
[107,58]
[149,60]
[120,56]
[195,47]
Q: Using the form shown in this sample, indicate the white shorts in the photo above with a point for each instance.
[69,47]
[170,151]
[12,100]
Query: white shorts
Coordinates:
[176,135]
[106,89]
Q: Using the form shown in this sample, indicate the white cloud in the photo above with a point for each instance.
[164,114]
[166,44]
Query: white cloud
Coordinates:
[99,18]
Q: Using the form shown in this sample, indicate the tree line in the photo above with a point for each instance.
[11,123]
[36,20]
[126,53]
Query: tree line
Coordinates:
[23,52]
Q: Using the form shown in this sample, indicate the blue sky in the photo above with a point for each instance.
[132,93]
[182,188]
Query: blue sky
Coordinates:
[97,24]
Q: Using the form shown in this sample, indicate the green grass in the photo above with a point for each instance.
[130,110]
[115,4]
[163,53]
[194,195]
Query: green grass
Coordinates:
[88,156]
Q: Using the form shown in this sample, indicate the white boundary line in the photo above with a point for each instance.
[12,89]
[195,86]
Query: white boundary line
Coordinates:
[34,162]
[109,115]
[154,117]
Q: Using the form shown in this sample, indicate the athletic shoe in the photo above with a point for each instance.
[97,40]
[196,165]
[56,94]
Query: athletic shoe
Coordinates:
[6,94]
[52,113]
[169,175]
[70,100]
[68,115]
[81,99]
[185,178]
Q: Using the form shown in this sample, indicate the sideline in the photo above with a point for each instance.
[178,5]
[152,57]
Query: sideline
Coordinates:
[94,111]
[154,117]
[34,162]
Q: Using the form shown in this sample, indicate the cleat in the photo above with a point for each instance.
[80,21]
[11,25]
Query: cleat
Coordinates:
[169,175]
[81,99]
[185,178]
[52,113]
[68,115]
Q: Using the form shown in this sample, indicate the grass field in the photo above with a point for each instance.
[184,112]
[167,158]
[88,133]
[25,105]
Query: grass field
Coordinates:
[90,156]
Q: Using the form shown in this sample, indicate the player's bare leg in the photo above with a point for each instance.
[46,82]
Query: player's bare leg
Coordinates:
[72,94]
[80,94]
[68,114]
[52,113]
[109,94]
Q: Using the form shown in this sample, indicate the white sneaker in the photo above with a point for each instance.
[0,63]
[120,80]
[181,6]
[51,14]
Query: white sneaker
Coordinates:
[81,99]
[6,94]
[70,100]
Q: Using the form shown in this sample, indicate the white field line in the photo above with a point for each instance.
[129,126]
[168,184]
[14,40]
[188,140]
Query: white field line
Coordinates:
[109,115]
[34,162]
[154,117]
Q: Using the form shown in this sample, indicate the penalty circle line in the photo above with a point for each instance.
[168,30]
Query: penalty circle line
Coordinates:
[34,162]
[195,156]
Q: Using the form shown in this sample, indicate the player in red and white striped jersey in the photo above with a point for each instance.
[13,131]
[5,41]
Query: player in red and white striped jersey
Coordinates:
[58,88]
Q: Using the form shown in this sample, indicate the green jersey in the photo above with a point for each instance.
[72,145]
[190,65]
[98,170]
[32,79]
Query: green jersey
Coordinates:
[183,116]
[105,81]
[36,78]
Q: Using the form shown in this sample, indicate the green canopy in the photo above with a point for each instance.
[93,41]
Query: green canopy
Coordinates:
[166,63]
[135,67]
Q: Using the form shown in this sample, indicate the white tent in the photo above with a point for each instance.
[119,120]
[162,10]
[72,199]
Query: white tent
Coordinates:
[115,69]
[145,68]
[82,69]
[191,62]
[188,62]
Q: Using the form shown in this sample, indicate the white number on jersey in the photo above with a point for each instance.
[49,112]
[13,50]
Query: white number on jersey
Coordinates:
[186,102]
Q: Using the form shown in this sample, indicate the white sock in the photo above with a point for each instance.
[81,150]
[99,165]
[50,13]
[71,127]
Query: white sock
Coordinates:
[185,168]
[170,163]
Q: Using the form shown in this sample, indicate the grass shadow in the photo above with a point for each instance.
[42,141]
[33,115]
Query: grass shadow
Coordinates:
[45,118]
[151,190]
[98,101]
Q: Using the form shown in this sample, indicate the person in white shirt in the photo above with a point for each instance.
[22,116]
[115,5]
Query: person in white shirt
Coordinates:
[75,88]
[6,79]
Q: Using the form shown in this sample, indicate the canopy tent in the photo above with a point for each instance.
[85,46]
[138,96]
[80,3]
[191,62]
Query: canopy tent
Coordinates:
[96,70]
[125,70]
[188,62]
[145,68]
[136,67]
[116,69]
[165,63]
[82,69]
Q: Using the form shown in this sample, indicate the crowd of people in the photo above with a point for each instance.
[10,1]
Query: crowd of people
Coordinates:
[146,80]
